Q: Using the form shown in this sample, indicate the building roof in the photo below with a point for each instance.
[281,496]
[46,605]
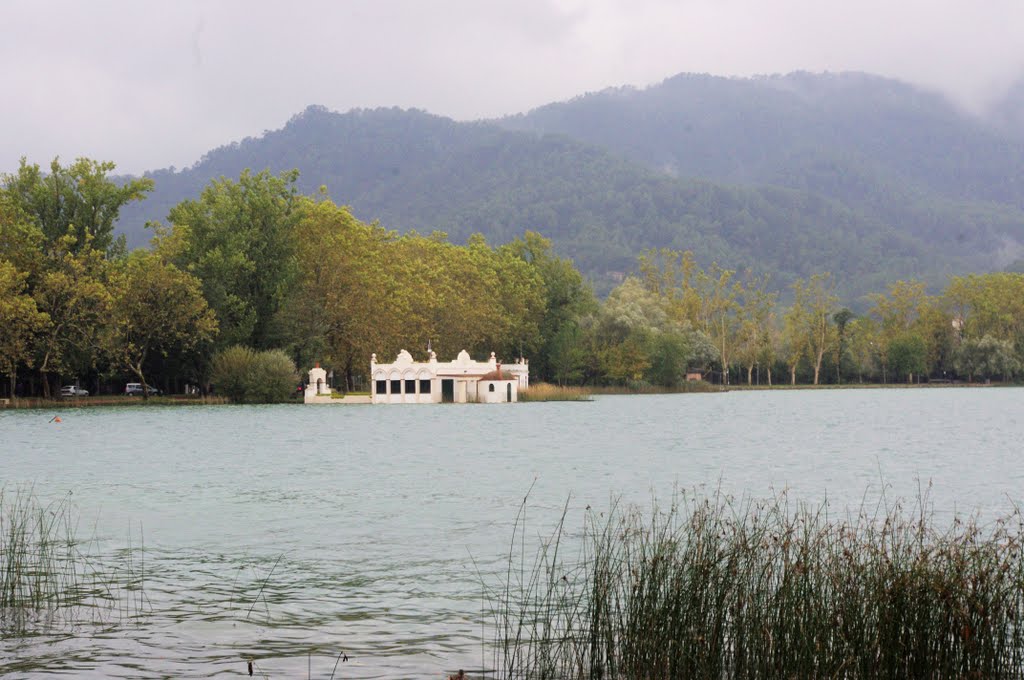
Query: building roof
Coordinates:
[497,375]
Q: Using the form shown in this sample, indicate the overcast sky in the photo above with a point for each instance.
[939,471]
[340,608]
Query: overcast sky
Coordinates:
[149,84]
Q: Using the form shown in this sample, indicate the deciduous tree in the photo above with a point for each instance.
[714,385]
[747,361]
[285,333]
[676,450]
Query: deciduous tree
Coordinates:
[74,296]
[80,199]
[238,239]
[907,355]
[816,299]
[986,357]
[20,320]
[155,309]
[719,317]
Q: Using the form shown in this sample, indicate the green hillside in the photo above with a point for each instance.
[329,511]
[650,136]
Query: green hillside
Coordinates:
[860,176]
[889,151]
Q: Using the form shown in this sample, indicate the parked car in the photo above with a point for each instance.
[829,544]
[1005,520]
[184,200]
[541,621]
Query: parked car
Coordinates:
[135,390]
[73,391]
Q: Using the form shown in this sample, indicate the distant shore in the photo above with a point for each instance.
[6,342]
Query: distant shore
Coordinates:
[108,400]
[869,386]
[548,393]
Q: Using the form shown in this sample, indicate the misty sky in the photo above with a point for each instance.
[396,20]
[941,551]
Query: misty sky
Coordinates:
[149,84]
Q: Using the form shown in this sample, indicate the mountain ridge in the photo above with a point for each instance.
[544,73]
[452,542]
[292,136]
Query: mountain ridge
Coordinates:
[772,174]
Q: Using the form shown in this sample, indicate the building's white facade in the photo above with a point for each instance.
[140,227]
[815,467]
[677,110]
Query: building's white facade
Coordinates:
[405,381]
[318,391]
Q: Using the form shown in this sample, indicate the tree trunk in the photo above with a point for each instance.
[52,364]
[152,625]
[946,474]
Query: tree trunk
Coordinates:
[14,381]
[792,374]
[750,374]
[350,378]
[817,367]
[44,370]
[769,376]
[137,370]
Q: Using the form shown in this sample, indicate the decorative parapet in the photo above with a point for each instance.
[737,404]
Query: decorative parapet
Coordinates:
[406,380]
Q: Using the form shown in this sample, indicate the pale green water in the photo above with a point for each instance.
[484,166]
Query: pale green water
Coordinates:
[377,513]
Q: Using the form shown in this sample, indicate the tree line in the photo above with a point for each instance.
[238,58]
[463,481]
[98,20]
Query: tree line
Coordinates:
[252,264]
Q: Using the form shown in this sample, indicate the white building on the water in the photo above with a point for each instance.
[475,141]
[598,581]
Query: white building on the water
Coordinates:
[431,382]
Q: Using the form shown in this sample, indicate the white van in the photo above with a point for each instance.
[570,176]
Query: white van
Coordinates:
[135,389]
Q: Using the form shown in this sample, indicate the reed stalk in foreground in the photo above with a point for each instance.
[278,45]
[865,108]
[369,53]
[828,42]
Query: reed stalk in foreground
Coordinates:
[717,588]
[45,577]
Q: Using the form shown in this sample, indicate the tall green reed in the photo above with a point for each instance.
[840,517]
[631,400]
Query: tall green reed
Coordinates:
[48,575]
[715,587]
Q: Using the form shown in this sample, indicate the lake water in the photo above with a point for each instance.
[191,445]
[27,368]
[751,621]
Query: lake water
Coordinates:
[368,527]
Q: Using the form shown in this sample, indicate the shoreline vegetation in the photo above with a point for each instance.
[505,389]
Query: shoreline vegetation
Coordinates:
[538,392]
[110,400]
[718,587]
[78,309]
[709,586]
[50,577]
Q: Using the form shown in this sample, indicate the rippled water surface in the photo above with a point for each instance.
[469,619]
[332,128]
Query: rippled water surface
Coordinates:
[290,533]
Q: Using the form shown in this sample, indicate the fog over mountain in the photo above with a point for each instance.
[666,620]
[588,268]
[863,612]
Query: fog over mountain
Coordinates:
[1008,112]
[157,84]
[870,178]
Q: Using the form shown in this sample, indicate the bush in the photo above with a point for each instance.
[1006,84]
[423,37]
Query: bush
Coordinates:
[230,371]
[249,377]
[273,377]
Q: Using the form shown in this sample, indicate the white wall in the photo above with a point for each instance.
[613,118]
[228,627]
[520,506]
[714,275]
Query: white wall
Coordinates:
[500,393]
[463,370]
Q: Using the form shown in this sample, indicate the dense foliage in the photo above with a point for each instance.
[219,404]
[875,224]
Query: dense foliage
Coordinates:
[265,278]
[249,377]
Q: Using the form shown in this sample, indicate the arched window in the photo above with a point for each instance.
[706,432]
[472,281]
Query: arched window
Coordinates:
[490,387]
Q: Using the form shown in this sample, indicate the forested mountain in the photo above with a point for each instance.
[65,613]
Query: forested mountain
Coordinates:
[885,149]
[870,179]
[755,129]
[1008,112]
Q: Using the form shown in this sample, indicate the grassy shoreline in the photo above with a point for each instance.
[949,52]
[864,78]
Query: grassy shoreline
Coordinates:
[109,400]
[538,392]
[548,392]
[866,386]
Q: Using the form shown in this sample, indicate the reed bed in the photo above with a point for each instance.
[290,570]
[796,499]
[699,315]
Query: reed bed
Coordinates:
[718,588]
[549,392]
[690,387]
[48,577]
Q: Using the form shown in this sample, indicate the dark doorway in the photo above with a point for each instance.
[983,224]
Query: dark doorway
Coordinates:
[508,392]
[447,391]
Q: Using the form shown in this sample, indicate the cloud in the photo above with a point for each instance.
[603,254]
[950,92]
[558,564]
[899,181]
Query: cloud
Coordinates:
[150,85]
